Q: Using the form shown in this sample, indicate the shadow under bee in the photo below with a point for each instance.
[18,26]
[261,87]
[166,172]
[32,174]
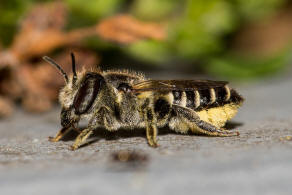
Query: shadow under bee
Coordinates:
[126,133]
[115,135]
[230,125]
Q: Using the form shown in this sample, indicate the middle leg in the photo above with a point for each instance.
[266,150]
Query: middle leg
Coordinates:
[151,128]
[81,138]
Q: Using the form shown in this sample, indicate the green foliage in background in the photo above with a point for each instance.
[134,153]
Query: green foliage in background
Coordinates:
[233,66]
[256,9]
[84,13]
[10,12]
[197,30]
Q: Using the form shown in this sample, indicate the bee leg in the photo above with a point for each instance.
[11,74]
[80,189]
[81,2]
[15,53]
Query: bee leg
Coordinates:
[151,128]
[209,129]
[81,138]
[151,133]
[60,134]
[198,125]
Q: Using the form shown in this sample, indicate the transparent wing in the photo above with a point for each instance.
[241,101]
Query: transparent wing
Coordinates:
[182,85]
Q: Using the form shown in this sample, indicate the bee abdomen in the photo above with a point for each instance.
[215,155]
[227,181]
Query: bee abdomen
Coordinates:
[177,96]
[186,98]
[222,94]
[206,98]
[226,95]
[193,99]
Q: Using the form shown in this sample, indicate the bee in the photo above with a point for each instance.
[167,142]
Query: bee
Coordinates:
[124,99]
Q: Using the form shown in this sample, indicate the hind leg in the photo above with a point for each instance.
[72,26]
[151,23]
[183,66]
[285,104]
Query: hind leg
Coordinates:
[190,119]
[151,128]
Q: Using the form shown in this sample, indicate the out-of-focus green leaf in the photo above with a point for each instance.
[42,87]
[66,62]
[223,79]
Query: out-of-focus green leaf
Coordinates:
[10,13]
[254,9]
[94,8]
[159,9]
[153,51]
[235,67]
[200,30]
[88,12]
[196,30]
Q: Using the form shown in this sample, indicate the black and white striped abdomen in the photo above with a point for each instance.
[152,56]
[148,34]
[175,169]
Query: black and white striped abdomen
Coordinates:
[199,99]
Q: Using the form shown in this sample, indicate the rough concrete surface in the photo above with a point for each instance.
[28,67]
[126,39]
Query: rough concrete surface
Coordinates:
[259,161]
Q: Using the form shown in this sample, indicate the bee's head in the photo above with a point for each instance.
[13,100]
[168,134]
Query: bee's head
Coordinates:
[78,94]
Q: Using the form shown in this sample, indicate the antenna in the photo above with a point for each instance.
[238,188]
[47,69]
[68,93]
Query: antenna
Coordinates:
[73,68]
[52,62]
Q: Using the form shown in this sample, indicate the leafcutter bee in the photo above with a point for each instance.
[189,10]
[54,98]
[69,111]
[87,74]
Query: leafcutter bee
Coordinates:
[123,99]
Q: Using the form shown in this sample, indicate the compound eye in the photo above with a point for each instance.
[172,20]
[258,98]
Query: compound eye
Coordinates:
[87,92]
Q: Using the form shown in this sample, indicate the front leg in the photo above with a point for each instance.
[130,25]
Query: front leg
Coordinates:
[62,133]
[102,118]
[68,121]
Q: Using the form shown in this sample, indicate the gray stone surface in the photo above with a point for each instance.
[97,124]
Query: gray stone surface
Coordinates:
[259,161]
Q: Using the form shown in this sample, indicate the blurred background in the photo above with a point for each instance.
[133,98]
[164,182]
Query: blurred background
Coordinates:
[237,40]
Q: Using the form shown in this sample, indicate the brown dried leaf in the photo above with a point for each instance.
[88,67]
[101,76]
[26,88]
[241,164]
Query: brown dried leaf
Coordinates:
[36,102]
[10,86]
[38,83]
[41,31]
[6,107]
[46,16]
[35,43]
[7,59]
[265,37]
[126,29]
